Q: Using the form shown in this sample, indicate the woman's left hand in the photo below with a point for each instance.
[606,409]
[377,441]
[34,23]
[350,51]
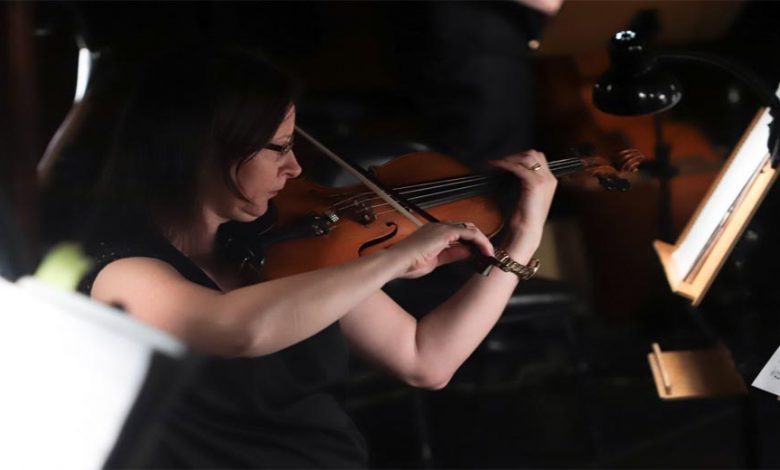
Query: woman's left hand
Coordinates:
[537,189]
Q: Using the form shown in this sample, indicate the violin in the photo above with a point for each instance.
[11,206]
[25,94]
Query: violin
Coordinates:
[310,226]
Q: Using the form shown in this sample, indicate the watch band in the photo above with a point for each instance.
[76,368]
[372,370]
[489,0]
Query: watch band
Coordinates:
[507,264]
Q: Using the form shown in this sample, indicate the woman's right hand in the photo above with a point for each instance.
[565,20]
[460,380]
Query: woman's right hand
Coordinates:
[435,244]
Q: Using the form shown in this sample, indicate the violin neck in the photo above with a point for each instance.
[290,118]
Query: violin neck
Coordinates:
[566,166]
[434,193]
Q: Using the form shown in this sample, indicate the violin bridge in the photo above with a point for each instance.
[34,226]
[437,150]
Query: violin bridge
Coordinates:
[360,212]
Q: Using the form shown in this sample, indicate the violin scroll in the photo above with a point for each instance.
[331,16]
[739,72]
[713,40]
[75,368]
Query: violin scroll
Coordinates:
[608,171]
[629,160]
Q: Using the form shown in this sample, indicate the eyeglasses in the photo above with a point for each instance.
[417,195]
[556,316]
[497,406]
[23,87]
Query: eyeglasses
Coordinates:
[282,149]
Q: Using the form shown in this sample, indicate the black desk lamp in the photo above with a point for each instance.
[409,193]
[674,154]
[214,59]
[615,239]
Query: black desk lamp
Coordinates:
[633,86]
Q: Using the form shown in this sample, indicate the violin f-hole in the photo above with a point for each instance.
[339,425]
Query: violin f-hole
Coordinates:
[393,232]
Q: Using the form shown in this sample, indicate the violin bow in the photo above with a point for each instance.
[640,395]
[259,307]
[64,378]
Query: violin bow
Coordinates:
[387,194]
[391,197]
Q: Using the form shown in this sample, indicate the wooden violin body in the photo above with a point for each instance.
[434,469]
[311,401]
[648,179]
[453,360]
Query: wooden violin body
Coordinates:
[355,222]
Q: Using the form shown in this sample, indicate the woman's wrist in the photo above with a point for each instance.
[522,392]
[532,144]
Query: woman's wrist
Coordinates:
[521,247]
[523,271]
[392,261]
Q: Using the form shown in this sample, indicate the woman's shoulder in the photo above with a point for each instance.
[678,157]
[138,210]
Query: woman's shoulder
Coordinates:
[108,251]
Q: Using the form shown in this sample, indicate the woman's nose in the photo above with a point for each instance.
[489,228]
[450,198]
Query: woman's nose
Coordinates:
[291,166]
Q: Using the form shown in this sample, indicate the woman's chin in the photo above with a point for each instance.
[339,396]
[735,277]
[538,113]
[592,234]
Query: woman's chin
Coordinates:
[251,212]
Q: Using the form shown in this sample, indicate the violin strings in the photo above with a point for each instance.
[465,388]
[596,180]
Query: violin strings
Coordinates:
[434,198]
[471,182]
[452,188]
[556,167]
[430,196]
[448,185]
[426,185]
[559,167]
[421,187]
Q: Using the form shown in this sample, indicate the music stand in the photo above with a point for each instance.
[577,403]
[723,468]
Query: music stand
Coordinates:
[693,261]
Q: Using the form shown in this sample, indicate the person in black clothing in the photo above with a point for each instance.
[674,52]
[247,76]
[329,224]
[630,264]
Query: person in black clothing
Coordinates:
[468,67]
[207,138]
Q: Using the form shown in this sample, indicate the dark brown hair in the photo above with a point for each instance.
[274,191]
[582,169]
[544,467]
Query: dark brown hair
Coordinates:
[192,111]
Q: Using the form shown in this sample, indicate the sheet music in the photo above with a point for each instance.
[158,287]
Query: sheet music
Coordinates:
[769,377]
[748,160]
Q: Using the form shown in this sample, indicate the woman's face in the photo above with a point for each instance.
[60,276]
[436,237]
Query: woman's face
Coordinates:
[264,174]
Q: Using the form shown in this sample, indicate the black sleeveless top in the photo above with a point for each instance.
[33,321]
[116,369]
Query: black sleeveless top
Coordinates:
[278,410]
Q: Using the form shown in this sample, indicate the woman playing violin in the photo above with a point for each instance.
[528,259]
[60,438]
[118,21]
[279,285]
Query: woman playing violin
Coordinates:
[207,138]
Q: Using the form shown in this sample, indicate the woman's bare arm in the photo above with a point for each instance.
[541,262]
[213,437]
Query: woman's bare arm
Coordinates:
[250,321]
[427,352]
[269,316]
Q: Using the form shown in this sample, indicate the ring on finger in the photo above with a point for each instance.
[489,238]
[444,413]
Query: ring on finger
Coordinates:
[535,167]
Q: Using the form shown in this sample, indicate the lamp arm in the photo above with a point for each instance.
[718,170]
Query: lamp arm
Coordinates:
[765,93]
[749,78]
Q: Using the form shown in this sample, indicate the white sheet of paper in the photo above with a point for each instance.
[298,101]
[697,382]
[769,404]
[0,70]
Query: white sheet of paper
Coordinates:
[769,377]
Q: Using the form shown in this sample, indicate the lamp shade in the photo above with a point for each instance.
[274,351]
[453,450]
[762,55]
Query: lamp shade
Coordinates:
[632,85]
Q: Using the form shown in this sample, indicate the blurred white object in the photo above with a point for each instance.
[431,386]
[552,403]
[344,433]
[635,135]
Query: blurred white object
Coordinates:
[84,71]
[71,369]
[769,377]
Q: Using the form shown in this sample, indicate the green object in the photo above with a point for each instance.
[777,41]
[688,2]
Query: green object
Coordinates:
[64,266]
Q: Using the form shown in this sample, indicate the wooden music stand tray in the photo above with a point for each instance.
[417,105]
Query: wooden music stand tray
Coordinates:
[691,265]
[702,373]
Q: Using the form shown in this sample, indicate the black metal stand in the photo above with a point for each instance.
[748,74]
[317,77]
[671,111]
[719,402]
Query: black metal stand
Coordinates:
[662,169]
[664,172]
